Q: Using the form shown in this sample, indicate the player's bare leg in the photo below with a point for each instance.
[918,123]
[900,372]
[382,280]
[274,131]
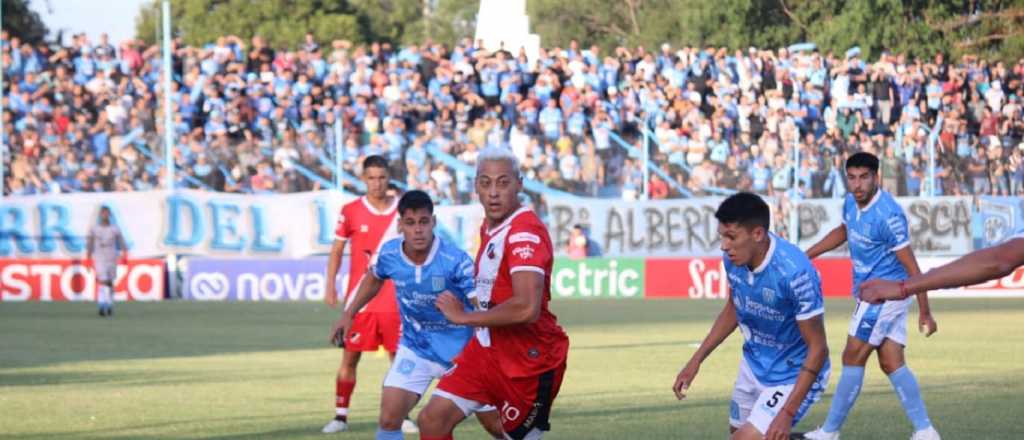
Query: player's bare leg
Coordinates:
[395,404]
[438,419]
[491,421]
[893,362]
[746,432]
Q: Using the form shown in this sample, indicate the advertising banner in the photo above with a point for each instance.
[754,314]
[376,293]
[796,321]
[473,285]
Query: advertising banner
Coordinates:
[187,222]
[212,279]
[598,278]
[75,280]
[997,219]
[684,227]
[704,278]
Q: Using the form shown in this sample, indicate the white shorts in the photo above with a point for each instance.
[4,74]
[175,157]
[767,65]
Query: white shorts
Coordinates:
[105,271]
[874,323]
[414,374]
[758,404]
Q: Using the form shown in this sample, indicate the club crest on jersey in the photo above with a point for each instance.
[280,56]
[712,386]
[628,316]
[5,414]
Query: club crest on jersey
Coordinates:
[490,250]
[437,283]
[769,295]
[524,252]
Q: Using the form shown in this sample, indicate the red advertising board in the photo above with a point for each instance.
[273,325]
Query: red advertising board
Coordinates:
[704,278]
[75,280]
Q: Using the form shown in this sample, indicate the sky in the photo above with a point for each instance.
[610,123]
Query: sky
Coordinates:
[115,17]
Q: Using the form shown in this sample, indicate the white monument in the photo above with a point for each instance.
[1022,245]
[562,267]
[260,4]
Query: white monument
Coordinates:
[503,24]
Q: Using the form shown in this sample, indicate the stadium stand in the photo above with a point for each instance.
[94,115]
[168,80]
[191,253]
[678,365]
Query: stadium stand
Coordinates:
[254,119]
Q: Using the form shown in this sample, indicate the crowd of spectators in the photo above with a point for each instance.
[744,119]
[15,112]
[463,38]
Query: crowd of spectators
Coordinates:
[252,118]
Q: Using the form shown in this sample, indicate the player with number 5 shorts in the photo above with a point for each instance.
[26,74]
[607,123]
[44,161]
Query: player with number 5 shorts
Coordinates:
[775,300]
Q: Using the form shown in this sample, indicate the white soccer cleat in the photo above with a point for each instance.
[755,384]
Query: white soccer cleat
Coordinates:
[335,426]
[821,434]
[928,433]
[409,427]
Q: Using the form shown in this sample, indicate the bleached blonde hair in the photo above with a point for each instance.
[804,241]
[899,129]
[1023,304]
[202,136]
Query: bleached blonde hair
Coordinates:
[498,154]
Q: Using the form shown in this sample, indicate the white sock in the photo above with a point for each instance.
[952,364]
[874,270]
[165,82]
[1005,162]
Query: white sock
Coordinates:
[105,297]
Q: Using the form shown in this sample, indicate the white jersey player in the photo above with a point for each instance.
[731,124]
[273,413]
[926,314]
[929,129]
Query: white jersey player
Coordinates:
[105,244]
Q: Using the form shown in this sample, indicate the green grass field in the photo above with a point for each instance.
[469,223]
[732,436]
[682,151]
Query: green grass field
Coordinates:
[245,370]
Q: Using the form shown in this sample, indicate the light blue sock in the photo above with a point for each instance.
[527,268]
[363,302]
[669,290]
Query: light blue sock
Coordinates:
[850,382]
[389,435]
[905,384]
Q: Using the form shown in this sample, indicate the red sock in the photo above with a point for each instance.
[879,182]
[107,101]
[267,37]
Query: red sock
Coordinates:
[447,437]
[342,397]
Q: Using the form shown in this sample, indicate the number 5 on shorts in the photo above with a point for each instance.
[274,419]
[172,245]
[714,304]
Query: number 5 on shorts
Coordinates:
[774,400]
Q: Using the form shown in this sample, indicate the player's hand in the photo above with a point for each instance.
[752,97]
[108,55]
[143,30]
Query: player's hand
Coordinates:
[340,328]
[685,378]
[331,296]
[926,324]
[452,308]
[878,291]
[779,429]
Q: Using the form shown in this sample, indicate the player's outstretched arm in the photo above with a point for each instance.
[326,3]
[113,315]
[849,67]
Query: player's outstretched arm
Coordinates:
[333,263]
[813,332]
[973,268]
[926,322]
[724,325]
[831,241]
[522,308]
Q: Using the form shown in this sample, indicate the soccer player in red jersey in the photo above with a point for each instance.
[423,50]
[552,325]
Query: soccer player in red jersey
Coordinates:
[518,357]
[366,223]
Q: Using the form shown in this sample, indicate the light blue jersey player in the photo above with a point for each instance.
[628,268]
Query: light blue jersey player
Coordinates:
[421,266]
[776,301]
[876,229]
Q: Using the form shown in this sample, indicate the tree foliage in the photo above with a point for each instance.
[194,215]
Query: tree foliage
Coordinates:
[916,27]
[22,22]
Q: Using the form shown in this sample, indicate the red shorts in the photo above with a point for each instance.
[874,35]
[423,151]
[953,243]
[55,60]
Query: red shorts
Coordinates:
[524,402]
[371,330]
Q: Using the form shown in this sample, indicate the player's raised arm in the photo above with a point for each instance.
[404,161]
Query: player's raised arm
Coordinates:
[976,267]
[834,239]
[724,325]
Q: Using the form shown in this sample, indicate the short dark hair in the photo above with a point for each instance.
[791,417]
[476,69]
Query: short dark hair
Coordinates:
[746,209]
[863,160]
[414,200]
[375,161]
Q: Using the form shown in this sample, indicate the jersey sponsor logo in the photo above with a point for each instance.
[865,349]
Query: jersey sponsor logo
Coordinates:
[520,237]
[769,295]
[524,252]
